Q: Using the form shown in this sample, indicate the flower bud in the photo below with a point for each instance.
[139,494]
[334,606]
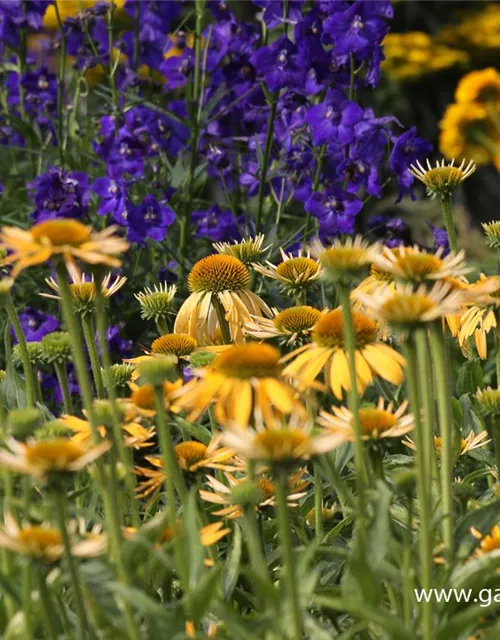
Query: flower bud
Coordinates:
[6,285]
[120,374]
[202,359]
[35,354]
[51,429]
[246,494]
[488,401]
[492,231]
[156,303]
[24,422]
[103,411]
[56,347]
[157,370]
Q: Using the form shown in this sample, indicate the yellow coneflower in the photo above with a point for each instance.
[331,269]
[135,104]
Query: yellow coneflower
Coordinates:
[293,272]
[346,260]
[245,384]
[413,264]
[327,353]
[179,345]
[83,290]
[40,458]
[209,534]
[45,543]
[443,179]
[376,422]
[142,399]
[281,446]
[489,542]
[135,435]
[67,238]
[481,317]
[191,456]
[481,86]
[406,306]
[378,280]
[221,494]
[248,250]
[289,325]
[469,443]
[218,281]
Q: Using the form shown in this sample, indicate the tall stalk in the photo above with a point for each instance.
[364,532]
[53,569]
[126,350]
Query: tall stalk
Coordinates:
[287,549]
[62,378]
[89,335]
[425,538]
[61,72]
[445,427]
[425,380]
[221,317]
[354,404]
[447,213]
[23,350]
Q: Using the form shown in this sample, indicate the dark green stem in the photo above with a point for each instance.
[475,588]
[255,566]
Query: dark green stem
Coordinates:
[447,212]
[441,376]
[60,83]
[425,380]
[221,316]
[318,502]
[23,350]
[62,378]
[89,335]
[287,551]
[49,614]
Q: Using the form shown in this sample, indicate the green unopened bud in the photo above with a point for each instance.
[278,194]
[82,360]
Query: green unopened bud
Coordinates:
[248,250]
[35,354]
[404,481]
[488,401]
[51,429]
[56,347]
[3,375]
[156,303]
[492,231]
[157,370]
[103,411]
[120,374]
[24,422]
[246,494]
[6,285]
[202,359]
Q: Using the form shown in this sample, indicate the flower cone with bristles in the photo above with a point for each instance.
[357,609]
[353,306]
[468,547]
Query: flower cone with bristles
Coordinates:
[83,290]
[248,250]
[492,231]
[245,385]
[156,303]
[347,260]
[218,281]
[65,238]
[178,345]
[488,401]
[289,325]
[294,273]
[376,422]
[443,179]
[327,353]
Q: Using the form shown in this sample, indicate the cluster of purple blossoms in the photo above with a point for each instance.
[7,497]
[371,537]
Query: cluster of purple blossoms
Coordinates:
[60,194]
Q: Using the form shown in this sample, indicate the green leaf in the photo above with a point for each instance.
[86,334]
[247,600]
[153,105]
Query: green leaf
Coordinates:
[378,540]
[482,519]
[200,597]
[232,569]
[194,429]
[13,387]
[470,377]
[194,552]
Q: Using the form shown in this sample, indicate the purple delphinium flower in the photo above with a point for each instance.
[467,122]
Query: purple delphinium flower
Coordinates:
[113,198]
[440,239]
[335,209]
[216,225]
[177,69]
[333,120]
[391,231]
[117,345]
[150,219]
[14,17]
[279,64]
[59,194]
[36,324]
[356,29]
[407,149]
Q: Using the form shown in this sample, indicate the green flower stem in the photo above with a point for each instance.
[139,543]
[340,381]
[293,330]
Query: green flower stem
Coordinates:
[112,514]
[495,432]
[60,84]
[406,566]
[318,502]
[221,316]
[285,530]
[112,65]
[27,605]
[425,378]
[89,335]
[62,377]
[354,403]
[446,431]
[118,440]
[60,512]
[273,105]
[49,614]
[173,481]
[23,350]
[254,542]
[425,537]
[162,326]
[447,212]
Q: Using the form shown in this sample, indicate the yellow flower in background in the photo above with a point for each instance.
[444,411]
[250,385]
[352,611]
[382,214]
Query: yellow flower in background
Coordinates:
[218,281]
[468,131]
[66,238]
[289,325]
[41,458]
[135,435]
[480,318]
[477,32]
[68,9]
[245,385]
[376,422]
[488,542]
[327,353]
[221,494]
[469,443]
[479,86]
[142,399]
[45,543]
